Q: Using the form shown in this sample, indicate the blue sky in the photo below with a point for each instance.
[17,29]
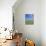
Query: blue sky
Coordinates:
[28,16]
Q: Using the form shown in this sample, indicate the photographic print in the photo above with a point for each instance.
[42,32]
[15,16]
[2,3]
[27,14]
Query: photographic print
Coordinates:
[29,19]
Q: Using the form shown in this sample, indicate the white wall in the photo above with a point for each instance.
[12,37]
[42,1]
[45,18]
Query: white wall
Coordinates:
[29,31]
[43,22]
[6,13]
